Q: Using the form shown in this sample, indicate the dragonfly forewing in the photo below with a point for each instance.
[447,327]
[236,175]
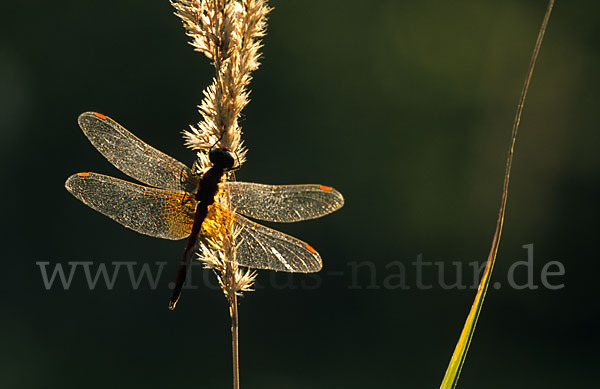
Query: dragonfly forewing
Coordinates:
[282,203]
[155,212]
[134,157]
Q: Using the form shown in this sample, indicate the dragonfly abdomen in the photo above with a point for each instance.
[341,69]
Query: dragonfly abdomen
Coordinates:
[222,160]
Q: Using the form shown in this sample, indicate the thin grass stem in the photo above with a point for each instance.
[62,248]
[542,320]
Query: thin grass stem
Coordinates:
[235,342]
[460,352]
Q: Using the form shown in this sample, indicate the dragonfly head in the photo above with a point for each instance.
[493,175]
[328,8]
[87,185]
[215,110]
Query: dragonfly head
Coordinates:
[222,157]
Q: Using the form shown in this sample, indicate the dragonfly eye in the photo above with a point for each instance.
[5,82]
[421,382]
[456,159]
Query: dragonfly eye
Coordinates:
[221,157]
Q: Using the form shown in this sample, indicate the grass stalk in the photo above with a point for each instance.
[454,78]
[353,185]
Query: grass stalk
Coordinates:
[228,33]
[235,342]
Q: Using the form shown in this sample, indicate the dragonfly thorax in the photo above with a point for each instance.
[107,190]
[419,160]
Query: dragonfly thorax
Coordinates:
[221,158]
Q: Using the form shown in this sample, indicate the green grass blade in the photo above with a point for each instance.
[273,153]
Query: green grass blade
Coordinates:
[460,352]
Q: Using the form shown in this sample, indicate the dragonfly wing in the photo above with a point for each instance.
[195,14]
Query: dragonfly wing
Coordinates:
[282,203]
[260,247]
[156,212]
[134,157]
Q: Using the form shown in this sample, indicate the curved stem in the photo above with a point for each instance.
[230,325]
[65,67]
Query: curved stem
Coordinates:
[460,352]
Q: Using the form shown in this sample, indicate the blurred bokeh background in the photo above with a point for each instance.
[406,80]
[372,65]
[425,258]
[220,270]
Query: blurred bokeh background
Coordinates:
[404,106]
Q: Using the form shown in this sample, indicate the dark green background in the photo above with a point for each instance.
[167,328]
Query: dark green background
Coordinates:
[404,106]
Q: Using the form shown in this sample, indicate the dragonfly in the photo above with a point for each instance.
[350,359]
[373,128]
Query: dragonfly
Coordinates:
[176,203]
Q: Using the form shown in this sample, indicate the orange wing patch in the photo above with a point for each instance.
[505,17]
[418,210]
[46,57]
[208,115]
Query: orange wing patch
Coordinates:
[326,188]
[310,248]
[178,213]
[83,174]
[100,116]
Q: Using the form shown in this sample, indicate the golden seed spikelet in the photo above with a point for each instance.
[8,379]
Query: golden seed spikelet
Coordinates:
[229,33]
